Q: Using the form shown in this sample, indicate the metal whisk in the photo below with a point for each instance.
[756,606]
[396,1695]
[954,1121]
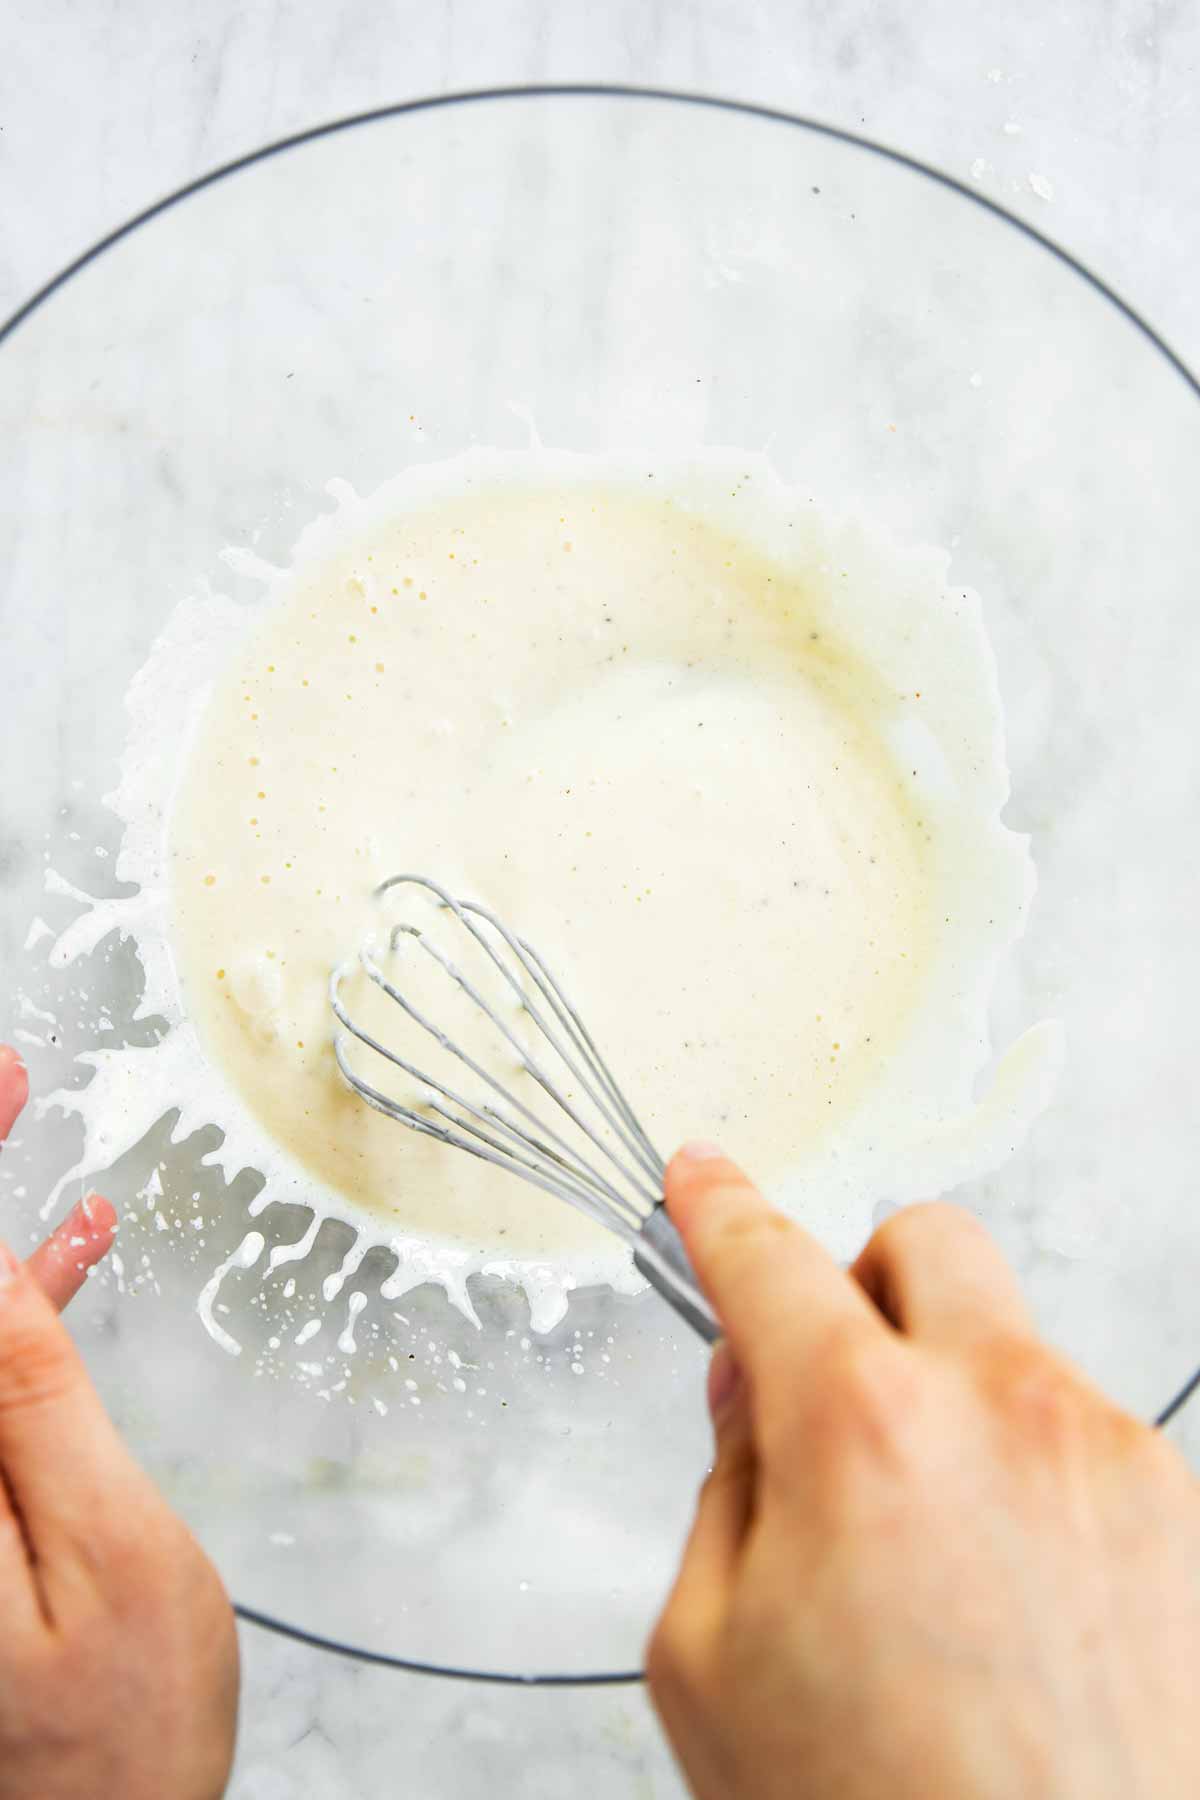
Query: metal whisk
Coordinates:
[603,1163]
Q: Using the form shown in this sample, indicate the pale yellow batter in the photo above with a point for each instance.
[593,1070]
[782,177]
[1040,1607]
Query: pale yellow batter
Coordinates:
[630,734]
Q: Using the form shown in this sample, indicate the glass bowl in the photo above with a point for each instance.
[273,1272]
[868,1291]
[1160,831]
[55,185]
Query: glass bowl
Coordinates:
[606,269]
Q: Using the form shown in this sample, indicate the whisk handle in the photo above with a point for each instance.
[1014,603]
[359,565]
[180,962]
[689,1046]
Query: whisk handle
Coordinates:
[662,1259]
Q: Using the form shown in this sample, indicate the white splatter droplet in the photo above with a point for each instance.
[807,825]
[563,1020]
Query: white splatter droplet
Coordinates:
[347,1343]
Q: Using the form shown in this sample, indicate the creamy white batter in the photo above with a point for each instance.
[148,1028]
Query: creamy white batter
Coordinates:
[650,744]
[736,767]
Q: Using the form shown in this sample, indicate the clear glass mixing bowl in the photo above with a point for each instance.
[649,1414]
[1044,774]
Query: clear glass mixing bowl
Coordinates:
[609,269]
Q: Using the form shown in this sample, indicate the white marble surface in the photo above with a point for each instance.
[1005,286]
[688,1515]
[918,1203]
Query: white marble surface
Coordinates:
[1084,118]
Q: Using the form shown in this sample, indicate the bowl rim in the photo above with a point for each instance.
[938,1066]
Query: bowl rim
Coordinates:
[603,91]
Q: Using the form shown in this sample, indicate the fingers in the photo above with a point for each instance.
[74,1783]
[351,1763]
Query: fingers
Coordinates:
[61,1461]
[58,1450]
[22,1606]
[23,1614]
[60,1265]
[726,1500]
[780,1297]
[700,1597]
[14,1088]
[936,1275]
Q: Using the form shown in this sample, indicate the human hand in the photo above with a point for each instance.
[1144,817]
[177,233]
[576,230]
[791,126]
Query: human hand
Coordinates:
[118,1655]
[931,1559]
[59,1266]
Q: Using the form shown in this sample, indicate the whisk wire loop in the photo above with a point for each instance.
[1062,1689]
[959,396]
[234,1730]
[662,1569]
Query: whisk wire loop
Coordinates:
[619,1187]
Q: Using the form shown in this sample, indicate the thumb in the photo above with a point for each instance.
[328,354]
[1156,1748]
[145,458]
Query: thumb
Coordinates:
[779,1295]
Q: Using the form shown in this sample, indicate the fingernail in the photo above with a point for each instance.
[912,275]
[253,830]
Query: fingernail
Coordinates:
[724,1380]
[701,1151]
[87,1209]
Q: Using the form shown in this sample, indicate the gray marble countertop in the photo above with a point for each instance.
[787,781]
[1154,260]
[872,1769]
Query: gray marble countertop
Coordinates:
[1085,119]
